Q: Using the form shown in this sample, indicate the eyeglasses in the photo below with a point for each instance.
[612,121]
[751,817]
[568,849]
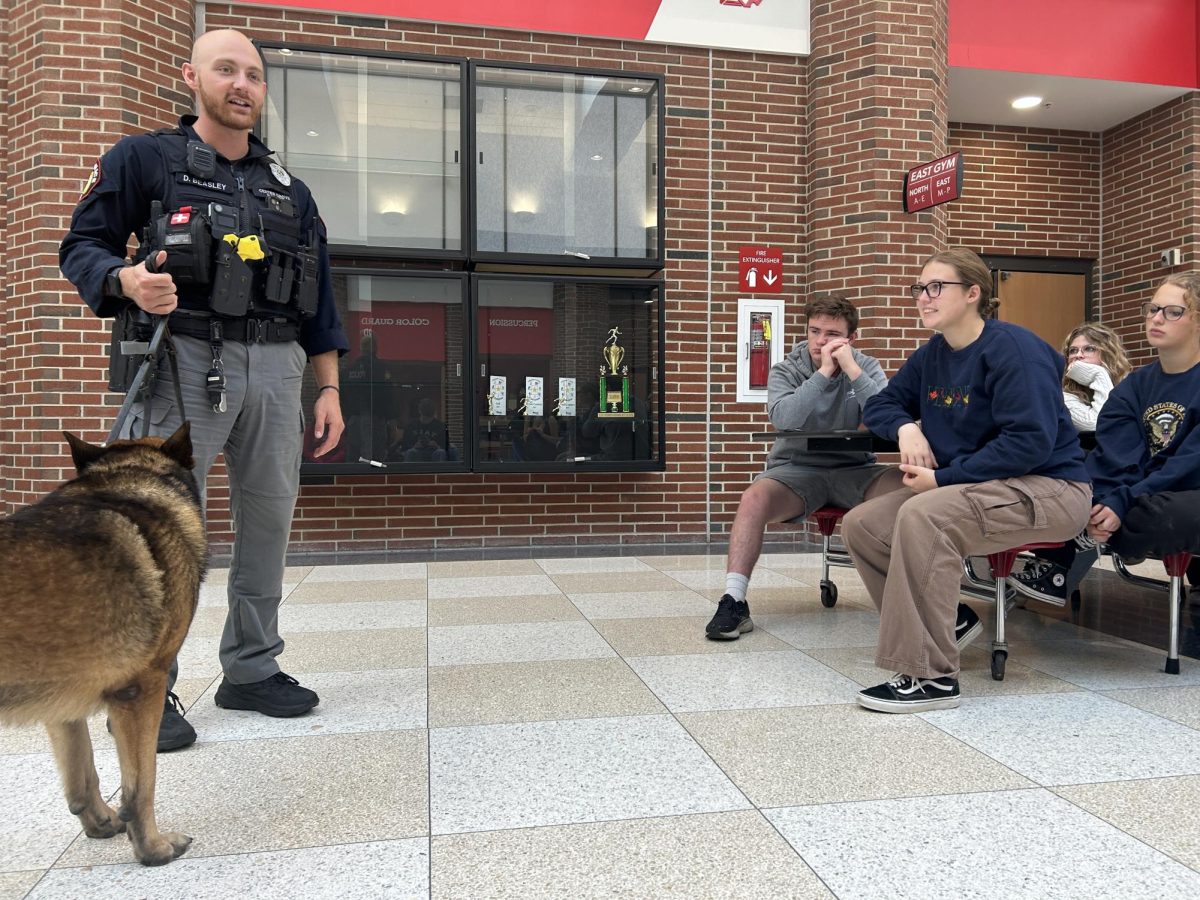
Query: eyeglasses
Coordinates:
[933,288]
[1170,313]
[1085,350]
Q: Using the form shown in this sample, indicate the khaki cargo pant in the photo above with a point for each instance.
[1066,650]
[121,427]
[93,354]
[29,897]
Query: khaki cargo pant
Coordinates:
[908,548]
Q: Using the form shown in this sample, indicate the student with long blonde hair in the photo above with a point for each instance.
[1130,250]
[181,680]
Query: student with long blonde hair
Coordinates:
[1096,363]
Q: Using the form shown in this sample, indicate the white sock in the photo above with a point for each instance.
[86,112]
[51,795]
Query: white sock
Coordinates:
[736,586]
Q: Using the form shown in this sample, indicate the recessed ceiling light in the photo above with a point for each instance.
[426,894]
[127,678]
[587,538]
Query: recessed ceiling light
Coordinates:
[637,90]
[313,133]
[1026,102]
[285,51]
[596,157]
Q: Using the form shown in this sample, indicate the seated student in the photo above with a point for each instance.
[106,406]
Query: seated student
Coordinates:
[425,439]
[1145,469]
[1096,362]
[821,385]
[994,462]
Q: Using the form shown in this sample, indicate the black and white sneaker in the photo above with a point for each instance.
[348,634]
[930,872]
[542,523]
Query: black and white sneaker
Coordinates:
[731,621]
[905,694]
[967,626]
[1043,580]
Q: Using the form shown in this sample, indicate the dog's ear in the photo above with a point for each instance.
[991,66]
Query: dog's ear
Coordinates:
[83,454]
[179,446]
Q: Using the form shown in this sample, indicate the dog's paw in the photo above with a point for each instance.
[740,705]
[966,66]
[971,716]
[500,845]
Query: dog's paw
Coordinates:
[167,846]
[105,825]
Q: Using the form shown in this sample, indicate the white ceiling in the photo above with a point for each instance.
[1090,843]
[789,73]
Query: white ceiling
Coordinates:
[983,97]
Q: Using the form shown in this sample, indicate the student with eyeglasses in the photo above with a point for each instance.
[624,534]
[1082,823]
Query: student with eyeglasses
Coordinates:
[1145,469]
[990,460]
[1096,363]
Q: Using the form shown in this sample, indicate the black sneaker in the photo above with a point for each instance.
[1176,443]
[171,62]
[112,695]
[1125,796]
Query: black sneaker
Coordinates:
[967,626]
[174,731]
[1043,580]
[905,694]
[731,621]
[280,696]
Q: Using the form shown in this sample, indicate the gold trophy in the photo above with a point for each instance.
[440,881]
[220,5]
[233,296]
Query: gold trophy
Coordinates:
[615,400]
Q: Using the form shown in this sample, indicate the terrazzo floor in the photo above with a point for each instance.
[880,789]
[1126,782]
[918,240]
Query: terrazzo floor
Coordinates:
[535,728]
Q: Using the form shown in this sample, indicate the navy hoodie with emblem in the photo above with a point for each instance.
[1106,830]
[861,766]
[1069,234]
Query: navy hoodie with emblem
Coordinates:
[1147,438]
[990,410]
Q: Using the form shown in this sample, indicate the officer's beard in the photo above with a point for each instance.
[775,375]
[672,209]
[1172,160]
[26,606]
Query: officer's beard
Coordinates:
[217,109]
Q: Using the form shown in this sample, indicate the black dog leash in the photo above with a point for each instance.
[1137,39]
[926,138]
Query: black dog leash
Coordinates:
[161,338]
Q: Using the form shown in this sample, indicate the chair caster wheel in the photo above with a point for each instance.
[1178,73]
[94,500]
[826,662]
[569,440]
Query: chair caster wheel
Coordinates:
[999,658]
[828,594]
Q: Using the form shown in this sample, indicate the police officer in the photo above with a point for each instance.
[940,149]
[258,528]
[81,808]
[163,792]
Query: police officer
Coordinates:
[246,283]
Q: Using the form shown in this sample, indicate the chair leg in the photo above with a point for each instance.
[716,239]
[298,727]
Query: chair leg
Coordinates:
[1173,645]
[999,645]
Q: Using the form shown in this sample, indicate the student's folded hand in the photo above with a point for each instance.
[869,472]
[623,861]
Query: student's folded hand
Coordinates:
[914,447]
[1102,523]
[918,478]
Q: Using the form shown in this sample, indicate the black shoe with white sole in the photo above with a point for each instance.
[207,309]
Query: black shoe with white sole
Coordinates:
[967,626]
[731,621]
[905,694]
[1043,580]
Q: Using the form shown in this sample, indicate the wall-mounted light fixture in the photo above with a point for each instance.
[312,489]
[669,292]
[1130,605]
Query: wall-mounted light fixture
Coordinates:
[1027,102]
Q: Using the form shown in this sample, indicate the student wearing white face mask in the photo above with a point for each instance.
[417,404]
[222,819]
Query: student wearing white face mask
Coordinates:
[1096,363]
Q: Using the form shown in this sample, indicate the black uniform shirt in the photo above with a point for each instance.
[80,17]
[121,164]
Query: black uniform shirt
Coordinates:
[116,203]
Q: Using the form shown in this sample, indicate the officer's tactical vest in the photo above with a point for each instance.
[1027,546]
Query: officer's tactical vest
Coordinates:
[255,197]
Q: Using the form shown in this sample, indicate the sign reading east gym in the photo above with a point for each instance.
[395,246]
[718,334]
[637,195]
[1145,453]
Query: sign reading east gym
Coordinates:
[760,270]
[932,183]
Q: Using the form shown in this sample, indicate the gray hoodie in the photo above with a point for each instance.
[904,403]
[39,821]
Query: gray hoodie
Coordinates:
[799,398]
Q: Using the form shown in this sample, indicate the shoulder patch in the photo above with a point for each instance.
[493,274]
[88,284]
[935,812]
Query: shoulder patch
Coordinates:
[281,174]
[93,179]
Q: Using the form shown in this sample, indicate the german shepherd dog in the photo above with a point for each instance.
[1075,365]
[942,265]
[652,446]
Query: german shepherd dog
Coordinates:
[100,583]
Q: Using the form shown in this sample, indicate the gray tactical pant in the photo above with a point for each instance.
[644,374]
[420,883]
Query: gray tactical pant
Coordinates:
[261,433]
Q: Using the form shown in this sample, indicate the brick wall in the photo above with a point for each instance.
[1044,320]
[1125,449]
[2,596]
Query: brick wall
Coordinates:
[877,107]
[8,446]
[1027,191]
[1150,202]
[78,77]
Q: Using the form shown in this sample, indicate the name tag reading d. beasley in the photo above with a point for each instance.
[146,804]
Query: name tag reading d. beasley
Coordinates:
[185,178]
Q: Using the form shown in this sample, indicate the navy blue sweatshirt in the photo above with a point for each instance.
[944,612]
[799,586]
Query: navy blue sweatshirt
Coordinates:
[1147,438]
[993,409]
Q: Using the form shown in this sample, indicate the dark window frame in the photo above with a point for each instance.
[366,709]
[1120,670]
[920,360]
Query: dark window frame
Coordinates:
[658,460]
[483,260]
[468,265]
[375,253]
[463,464]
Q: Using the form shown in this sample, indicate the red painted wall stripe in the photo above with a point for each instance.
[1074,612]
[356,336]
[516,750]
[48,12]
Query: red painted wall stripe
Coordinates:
[627,19]
[1144,41]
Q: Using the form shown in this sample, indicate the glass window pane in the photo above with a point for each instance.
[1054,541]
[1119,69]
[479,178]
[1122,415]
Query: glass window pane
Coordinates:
[568,371]
[566,164]
[377,140]
[401,382]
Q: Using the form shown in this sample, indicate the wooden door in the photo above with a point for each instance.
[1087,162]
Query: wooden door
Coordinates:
[1049,304]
